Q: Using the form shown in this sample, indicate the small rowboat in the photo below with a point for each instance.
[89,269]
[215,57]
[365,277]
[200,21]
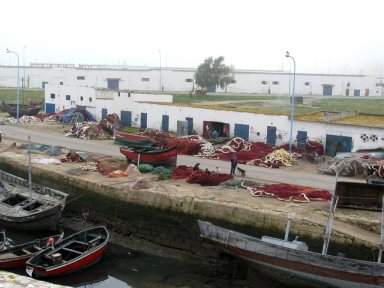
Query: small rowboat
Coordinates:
[129,139]
[150,155]
[23,109]
[72,254]
[16,256]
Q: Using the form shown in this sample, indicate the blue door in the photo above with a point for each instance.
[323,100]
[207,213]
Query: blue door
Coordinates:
[271,135]
[301,139]
[242,131]
[104,113]
[356,92]
[49,108]
[327,90]
[336,143]
[126,118]
[165,123]
[143,120]
[190,125]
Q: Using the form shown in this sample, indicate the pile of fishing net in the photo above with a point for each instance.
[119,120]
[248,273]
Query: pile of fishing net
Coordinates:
[288,192]
[189,145]
[250,153]
[194,175]
[375,169]
[143,183]
[244,150]
[87,130]
[164,173]
[104,164]
[275,159]
[160,136]
[315,148]
[353,167]
[46,149]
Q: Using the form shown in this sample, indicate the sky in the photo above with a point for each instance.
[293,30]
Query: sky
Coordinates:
[327,36]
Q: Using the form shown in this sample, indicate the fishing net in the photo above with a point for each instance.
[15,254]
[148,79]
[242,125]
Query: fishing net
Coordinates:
[142,183]
[206,178]
[181,172]
[288,192]
[133,171]
[145,168]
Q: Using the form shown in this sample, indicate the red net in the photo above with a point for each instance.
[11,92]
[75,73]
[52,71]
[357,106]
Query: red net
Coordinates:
[289,192]
[198,176]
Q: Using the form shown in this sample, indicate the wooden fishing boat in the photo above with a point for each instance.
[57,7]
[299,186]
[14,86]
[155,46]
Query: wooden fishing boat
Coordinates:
[23,109]
[292,260]
[16,256]
[150,155]
[129,139]
[72,254]
[29,206]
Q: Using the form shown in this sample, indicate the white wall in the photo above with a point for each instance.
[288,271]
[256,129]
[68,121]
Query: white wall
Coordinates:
[138,103]
[174,79]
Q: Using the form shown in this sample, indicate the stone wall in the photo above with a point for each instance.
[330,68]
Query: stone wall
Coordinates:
[159,216]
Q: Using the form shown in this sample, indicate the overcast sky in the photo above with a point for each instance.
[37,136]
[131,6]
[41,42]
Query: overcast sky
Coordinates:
[327,36]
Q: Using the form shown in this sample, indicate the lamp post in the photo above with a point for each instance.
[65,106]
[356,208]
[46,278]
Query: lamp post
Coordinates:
[18,88]
[160,71]
[293,101]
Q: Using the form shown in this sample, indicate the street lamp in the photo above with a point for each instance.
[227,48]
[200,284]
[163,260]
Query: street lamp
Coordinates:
[160,71]
[18,90]
[293,101]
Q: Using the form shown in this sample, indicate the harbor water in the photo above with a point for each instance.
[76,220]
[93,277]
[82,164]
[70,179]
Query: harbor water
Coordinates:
[123,267]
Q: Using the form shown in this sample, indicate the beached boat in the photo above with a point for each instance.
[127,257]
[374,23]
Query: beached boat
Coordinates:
[16,256]
[29,206]
[72,254]
[293,260]
[150,155]
[23,109]
[129,139]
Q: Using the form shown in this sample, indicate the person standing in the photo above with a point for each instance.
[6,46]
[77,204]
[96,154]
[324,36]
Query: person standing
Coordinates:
[233,164]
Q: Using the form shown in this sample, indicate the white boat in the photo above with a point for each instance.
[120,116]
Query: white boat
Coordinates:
[29,206]
[292,259]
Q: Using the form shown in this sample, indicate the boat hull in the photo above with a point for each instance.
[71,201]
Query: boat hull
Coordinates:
[46,220]
[38,208]
[42,265]
[17,256]
[153,156]
[11,109]
[128,139]
[309,267]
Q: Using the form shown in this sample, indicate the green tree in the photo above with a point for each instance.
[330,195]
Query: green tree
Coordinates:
[214,73]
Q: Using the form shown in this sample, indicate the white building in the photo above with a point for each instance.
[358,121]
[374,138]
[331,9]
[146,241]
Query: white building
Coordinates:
[144,110]
[182,79]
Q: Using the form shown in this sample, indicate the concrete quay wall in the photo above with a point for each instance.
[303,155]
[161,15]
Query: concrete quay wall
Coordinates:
[168,216]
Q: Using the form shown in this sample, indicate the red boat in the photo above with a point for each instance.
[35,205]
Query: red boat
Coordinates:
[123,138]
[151,155]
[16,256]
[72,254]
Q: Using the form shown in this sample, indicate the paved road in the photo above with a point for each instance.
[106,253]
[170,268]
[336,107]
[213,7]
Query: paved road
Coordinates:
[107,147]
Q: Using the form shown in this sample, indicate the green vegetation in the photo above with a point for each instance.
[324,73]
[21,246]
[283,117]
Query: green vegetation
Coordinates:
[10,95]
[214,73]
[281,104]
[254,103]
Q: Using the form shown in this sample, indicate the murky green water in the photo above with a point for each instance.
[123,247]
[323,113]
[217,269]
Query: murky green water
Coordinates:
[122,268]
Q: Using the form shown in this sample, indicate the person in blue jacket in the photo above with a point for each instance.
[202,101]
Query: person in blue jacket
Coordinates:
[233,164]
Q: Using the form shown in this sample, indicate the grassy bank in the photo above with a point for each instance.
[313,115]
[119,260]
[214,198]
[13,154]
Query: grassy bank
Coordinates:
[253,103]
